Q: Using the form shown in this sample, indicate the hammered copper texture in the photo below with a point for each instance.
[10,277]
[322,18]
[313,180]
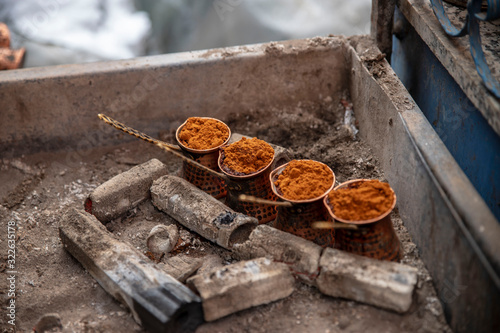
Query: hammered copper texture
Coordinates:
[375,240]
[258,186]
[200,178]
[297,220]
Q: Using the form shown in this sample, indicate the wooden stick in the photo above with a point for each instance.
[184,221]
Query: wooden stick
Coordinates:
[173,149]
[187,159]
[252,199]
[333,225]
[133,132]
[157,301]
[315,225]
[200,212]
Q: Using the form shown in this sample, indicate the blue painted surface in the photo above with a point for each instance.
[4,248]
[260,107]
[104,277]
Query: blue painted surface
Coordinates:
[471,27]
[465,132]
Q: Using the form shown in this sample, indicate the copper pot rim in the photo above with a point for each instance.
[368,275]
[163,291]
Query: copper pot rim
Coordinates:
[277,171]
[4,31]
[329,208]
[201,151]
[241,177]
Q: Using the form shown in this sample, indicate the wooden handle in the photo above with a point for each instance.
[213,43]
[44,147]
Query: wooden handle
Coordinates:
[249,198]
[173,149]
[333,225]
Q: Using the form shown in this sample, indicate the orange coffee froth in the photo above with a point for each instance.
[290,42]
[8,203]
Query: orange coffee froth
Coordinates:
[304,180]
[366,201]
[202,134]
[248,155]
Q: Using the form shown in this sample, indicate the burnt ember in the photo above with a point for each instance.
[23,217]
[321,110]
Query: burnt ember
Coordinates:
[225,218]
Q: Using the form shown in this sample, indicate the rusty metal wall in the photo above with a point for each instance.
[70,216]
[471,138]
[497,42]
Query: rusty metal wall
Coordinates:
[460,125]
[456,233]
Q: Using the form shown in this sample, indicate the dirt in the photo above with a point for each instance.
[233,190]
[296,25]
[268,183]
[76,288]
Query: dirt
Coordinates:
[37,189]
[312,131]
[378,66]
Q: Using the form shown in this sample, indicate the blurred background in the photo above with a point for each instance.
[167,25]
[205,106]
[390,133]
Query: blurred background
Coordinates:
[74,31]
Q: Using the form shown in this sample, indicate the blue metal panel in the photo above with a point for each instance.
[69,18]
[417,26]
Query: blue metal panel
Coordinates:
[467,135]
[471,27]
